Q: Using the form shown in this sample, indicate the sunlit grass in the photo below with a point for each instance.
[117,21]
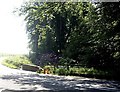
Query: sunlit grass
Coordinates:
[9,65]
[16,61]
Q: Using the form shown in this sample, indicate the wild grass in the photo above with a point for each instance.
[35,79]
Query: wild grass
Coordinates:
[16,61]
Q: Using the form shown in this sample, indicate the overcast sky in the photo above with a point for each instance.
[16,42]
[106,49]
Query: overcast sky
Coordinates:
[13,38]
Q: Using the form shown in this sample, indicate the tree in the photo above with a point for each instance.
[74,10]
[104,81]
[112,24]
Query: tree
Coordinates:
[88,33]
[51,23]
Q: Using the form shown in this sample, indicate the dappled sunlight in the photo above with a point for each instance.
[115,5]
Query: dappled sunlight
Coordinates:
[58,83]
[64,38]
[15,80]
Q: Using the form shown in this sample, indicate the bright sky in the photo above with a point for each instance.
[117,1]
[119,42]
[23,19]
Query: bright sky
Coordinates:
[13,38]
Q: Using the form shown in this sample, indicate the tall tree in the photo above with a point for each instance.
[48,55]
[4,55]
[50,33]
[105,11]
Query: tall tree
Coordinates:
[53,21]
[86,32]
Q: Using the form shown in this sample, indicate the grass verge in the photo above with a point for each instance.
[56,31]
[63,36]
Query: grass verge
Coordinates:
[16,61]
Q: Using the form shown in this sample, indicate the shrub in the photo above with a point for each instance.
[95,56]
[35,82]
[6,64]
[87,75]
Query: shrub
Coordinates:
[73,71]
[49,68]
[62,71]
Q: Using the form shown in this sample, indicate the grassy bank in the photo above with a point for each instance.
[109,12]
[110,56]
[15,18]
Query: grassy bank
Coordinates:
[16,61]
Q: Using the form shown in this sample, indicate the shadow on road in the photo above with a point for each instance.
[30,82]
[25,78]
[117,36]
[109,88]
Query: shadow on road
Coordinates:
[61,84]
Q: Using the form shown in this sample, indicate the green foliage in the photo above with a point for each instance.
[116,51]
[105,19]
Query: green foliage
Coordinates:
[80,33]
[62,71]
[49,25]
[82,71]
[16,61]
[65,61]
[48,67]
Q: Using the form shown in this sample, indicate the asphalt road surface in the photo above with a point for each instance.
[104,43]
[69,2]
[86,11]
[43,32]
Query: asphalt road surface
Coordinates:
[13,80]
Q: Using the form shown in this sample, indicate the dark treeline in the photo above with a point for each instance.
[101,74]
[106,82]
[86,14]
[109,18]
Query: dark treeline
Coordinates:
[76,33]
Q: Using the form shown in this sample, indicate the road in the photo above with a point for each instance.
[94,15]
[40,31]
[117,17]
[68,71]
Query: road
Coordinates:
[13,80]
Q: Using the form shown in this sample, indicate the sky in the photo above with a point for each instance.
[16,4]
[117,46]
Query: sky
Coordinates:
[13,37]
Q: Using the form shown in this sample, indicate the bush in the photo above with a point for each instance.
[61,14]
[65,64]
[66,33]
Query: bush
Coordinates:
[49,68]
[62,71]
[74,71]
[83,71]
[59,71]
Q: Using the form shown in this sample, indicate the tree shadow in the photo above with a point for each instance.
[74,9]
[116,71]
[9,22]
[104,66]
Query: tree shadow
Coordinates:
[61,83]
